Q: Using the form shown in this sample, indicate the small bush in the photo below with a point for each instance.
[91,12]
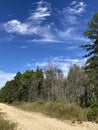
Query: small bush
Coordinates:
[66,111]
[92,113]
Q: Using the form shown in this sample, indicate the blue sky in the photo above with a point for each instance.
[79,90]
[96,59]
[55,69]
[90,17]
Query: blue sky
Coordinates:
[35,32]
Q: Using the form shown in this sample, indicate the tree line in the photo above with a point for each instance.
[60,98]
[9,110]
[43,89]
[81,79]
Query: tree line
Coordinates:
[49,84]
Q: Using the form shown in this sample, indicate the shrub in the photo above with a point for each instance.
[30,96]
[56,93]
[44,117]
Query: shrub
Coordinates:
[92,113]
[63,110]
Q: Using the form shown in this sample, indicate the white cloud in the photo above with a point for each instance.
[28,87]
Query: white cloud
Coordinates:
[36,24]
[45,41]
[67,33]
[41,64]
[44,32]
[42,11]
[15,26]
[81,38]
[34,65]
[71,19]
[65,63]
[33,23]
[73,11]
[4,77]
[73,3]
[70,34]
[62,63]
[75,8]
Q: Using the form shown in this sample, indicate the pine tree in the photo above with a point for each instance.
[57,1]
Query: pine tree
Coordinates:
[92,48]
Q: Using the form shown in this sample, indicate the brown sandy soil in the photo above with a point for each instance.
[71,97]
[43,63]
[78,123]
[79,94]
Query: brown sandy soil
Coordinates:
[36,121]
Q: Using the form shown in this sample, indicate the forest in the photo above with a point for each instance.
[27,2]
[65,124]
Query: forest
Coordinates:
[49,85]
[79,86]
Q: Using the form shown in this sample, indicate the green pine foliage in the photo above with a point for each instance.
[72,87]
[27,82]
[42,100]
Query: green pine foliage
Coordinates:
[92,113]
[24,87]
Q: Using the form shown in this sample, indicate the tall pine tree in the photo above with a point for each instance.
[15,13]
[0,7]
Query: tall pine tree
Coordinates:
[92,48]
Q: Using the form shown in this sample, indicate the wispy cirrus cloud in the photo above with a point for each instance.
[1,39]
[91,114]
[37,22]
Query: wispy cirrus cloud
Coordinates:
[47,40]
[37,24]
[70,18]
[9,38]
[62,63]
[70,34]
[75,8]
[42,11]
[66,33]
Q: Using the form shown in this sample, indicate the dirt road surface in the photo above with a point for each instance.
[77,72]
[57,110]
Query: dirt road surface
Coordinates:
[36,121]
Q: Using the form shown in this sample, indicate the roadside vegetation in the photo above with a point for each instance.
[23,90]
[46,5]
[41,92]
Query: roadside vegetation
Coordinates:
[61,110]
[5,124]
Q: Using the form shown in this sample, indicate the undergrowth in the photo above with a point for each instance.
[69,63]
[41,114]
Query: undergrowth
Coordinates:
[58,109]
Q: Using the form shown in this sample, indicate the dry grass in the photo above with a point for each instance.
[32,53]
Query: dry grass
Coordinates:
[58,109]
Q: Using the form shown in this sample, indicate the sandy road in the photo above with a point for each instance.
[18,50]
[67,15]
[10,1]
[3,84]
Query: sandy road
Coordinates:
[37,121]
